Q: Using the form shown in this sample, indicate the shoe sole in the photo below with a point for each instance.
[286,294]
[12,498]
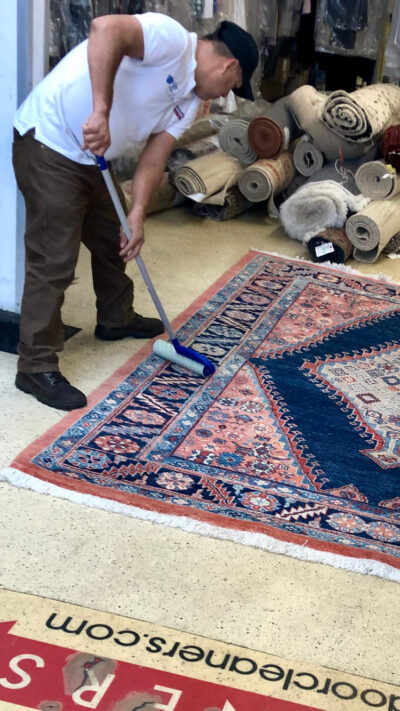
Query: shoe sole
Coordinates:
[47,402]
[128,335]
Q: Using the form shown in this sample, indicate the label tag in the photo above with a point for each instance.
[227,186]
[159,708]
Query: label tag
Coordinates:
[286,133]
[322,249]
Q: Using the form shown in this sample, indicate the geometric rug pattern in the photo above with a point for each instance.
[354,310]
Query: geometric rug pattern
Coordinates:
[296,436]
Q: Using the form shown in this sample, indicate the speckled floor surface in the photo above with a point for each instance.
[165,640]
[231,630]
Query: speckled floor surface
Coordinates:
[302,611]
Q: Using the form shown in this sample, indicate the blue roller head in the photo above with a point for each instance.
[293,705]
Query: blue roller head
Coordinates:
[208,367]
[101,162]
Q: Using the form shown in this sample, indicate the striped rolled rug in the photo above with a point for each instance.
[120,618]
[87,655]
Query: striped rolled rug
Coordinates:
[266,179]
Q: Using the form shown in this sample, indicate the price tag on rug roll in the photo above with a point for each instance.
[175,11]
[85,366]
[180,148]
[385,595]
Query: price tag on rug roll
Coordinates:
[326,248]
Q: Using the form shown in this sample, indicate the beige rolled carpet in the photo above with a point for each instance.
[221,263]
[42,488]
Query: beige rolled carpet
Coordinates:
[163,198]
[234,139]
[271,133]
[266,179]
[377,181]
[306,105]
[363,114]
[370,229]
[208,178]
[307,159]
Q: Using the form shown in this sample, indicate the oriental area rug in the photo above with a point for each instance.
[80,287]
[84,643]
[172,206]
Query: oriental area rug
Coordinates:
[293,445]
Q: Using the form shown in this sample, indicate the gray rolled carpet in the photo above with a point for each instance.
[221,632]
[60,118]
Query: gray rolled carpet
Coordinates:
[234,139]
[307,159]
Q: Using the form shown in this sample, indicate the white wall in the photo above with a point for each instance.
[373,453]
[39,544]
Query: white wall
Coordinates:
[23,42]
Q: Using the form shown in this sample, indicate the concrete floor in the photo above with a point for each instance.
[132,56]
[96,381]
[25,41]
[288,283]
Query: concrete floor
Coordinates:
[54,548]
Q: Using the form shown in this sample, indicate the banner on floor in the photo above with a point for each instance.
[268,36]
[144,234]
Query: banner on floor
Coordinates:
[60,657]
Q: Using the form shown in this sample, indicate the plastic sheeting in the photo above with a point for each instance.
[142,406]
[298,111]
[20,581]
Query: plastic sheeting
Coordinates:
[391,68]
[70,21]
[352,29]
[289,17]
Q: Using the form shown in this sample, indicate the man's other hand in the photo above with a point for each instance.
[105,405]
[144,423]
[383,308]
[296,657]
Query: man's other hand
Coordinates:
[130,248]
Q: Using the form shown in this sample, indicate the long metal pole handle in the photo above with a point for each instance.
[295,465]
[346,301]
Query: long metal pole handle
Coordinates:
[122,218]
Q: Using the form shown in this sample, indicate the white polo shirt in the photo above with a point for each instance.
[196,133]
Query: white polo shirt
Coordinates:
[150,95]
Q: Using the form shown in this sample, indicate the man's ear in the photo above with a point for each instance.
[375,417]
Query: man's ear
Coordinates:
[230,63]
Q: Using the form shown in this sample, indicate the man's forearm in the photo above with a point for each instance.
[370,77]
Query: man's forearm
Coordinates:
[150,170]
[146,180]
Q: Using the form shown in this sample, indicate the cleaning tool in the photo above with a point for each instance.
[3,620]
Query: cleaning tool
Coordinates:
[174,351]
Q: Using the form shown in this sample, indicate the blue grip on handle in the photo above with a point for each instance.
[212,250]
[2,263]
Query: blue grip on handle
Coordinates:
[101,162]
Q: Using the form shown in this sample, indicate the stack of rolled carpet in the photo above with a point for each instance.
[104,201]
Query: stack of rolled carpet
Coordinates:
[349,203]
[326,165]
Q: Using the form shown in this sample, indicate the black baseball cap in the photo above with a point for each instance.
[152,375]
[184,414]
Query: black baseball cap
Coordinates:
[244,49]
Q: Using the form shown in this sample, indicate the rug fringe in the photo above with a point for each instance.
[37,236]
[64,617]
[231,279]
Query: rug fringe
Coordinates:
[256,540]
[330,265]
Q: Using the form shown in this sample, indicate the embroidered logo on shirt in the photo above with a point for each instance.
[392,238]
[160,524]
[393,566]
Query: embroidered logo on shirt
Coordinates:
[172,85]
[178,113]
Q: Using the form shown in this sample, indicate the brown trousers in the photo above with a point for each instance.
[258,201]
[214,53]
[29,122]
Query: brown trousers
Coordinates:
[66,203]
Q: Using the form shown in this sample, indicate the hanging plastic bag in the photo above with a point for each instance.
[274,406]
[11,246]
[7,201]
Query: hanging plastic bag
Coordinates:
[352,29]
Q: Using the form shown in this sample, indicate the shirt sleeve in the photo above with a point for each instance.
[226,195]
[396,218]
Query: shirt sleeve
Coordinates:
[165,39]
[188,107]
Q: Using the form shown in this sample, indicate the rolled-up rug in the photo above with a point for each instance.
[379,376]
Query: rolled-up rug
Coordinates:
[330,245]
[307,159]
[391,146]
[372,227]
[363,114]
[208,177]
[377,181]
[203,127]
[306,105]
[235,204]
[233,138]
[393,246]
[163,198]
[266,179]
[344,172]
[271,133]
[316,206]
[297,182]
[202,147]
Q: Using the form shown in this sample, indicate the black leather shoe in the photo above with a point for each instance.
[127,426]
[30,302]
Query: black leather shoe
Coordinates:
[139,327]
[52,389]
